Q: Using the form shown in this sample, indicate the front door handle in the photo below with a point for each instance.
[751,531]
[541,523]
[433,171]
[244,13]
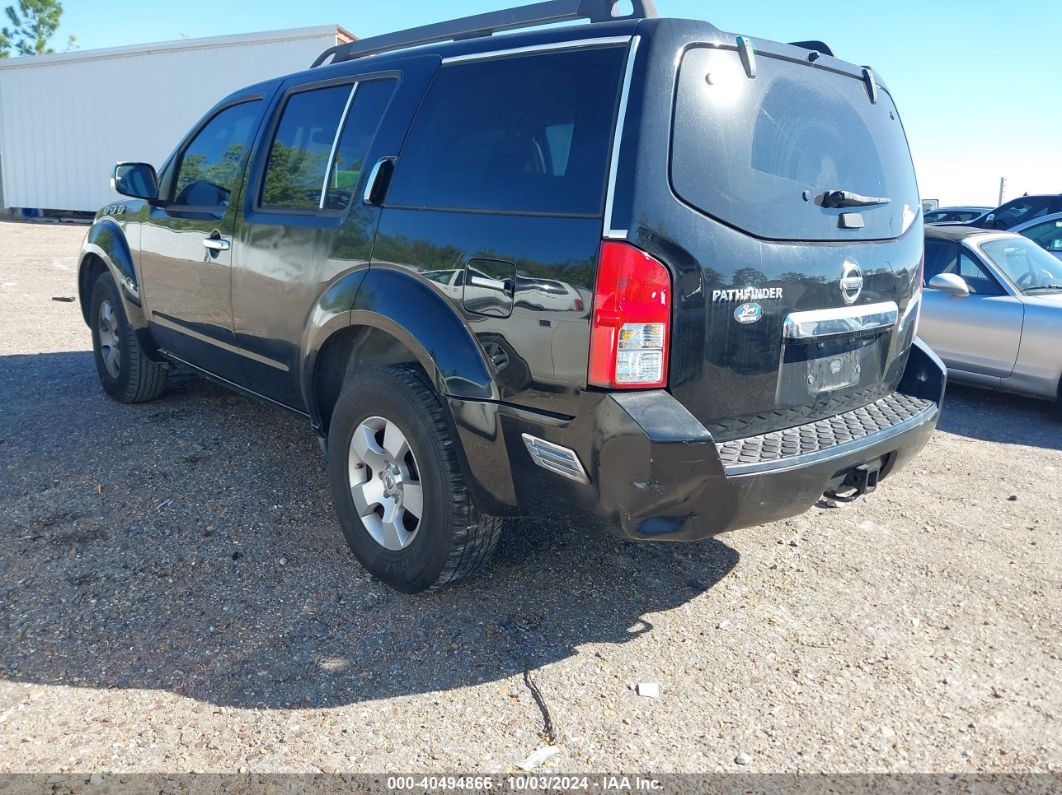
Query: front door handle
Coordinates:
[216,243]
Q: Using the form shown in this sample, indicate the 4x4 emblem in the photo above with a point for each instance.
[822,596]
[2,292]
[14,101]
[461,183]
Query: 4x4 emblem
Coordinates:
[748,313]
[851,282]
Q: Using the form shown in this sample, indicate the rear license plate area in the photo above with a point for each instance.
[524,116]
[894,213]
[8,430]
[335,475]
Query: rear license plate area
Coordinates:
[830,373]
[822,367]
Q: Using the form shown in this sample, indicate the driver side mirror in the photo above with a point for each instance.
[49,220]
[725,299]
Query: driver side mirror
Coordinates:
[950,283]
[138,180]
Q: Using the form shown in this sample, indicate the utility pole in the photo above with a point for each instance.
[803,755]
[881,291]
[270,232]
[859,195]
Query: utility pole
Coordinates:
[1002,187]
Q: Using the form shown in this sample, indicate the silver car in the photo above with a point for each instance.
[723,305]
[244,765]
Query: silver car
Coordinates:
[992,310]
[1046,232]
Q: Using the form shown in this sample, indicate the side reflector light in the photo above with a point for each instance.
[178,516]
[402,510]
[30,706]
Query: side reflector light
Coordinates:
[919,287]
[630,329]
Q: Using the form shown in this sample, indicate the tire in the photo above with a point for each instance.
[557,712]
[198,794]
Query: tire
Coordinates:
[450,540]
[125,372]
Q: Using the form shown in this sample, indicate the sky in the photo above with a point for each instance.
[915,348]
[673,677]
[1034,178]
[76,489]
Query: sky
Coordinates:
[976,82]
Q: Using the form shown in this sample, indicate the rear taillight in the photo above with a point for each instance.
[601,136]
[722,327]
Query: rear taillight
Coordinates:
[630,329]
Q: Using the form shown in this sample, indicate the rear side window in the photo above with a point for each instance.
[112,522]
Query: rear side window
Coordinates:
[1047,235]
[759,153]
[318,151]
[363,120]
[525,134]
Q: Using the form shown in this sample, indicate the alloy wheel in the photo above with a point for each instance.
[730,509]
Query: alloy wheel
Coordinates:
[385,483]
[110,346]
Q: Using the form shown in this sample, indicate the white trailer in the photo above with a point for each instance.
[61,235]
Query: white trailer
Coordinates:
[66,119]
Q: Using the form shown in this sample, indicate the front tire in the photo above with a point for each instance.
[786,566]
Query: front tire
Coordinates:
[397,483]
[125,371]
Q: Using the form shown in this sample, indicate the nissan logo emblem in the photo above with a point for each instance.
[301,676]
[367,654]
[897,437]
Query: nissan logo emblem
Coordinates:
[851,282]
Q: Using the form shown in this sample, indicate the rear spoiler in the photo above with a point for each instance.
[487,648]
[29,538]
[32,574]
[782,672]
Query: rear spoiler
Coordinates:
[816,46]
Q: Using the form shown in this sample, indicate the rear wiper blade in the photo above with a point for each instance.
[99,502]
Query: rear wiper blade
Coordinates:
[844,198]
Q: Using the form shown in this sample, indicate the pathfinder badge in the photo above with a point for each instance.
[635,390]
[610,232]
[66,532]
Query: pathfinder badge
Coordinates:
[746,294]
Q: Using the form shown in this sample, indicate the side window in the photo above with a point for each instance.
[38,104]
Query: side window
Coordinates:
[979,280]
[1047,235]
[529,133]
[210,164]
[940,257]
[298,156]
[317,155]
[1021,210]
[363,120]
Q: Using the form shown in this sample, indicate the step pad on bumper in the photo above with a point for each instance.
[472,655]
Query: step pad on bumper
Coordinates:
[770,450]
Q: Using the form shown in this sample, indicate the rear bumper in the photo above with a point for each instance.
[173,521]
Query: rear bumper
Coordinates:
[684,497]
[655,472]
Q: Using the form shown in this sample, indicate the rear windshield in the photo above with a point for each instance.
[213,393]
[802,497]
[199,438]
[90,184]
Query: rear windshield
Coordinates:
[748,151]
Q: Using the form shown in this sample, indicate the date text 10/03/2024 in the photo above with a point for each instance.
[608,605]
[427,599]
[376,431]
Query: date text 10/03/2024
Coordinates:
[525,783]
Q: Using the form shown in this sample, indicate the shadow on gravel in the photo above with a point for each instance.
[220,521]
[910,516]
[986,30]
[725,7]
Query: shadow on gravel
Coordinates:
[1000,417]
[189,545]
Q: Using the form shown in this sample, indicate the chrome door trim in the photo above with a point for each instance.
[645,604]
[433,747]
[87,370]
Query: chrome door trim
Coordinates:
[535,48]
[841,320]
[335,145]
[617,139]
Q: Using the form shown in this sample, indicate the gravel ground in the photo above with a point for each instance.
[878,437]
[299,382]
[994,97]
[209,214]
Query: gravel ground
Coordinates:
[175,595]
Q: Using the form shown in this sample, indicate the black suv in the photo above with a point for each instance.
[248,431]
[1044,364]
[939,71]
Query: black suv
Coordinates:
[1019,211]
[639,273]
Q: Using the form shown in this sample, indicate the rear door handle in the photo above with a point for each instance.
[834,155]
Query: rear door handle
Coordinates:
[379,179]
[216,243]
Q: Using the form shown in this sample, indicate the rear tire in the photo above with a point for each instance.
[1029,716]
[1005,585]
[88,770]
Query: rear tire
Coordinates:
[125,371]
[397,483]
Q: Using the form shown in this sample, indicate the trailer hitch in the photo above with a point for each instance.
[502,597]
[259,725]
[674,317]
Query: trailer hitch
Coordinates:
[860,480]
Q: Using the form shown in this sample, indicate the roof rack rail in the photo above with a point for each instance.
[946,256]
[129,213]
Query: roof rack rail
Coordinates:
[529,16]
[815,46]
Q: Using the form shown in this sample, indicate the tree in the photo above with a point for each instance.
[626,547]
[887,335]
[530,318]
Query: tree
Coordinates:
[33,23]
